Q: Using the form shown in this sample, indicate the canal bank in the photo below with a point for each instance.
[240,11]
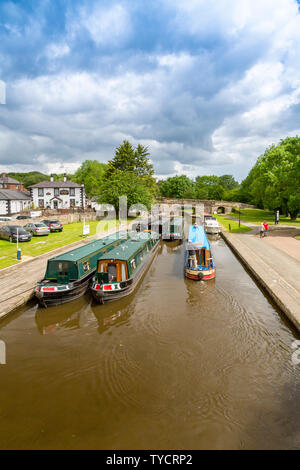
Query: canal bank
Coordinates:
[18,281]
[276,271]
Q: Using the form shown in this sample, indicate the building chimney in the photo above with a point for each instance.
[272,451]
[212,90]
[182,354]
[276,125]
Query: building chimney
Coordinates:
[65,177]
[51,178]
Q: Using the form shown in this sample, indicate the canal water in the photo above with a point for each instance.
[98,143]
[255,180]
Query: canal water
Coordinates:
[178,365]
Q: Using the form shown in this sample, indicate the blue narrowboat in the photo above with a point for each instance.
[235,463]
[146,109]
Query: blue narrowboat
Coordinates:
[199,262]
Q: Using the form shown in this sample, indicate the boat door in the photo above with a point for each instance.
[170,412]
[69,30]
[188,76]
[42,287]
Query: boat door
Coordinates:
[116,270]
[63,272]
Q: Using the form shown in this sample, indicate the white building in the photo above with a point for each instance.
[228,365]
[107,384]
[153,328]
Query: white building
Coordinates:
[58,194]
[12,202]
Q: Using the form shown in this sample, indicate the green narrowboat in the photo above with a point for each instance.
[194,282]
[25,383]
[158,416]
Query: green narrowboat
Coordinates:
[68,275]
[119,271]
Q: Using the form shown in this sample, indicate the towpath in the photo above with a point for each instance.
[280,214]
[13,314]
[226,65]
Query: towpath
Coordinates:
[277,270]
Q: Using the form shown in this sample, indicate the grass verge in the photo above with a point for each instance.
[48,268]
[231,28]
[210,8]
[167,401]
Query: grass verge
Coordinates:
[257,216]
[42,244]
[234,226]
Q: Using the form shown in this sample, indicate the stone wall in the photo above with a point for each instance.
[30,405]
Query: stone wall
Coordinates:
[68,218]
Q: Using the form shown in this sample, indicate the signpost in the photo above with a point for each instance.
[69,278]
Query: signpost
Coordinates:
[36,214]
[85,229]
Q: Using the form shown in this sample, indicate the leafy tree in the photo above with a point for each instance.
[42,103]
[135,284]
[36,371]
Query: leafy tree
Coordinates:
[91,174]
[178,187]
[228,182]
[216,192]
[134,160]
[30,178]
[201,192]
[124,183]
[211,180]
[273,182]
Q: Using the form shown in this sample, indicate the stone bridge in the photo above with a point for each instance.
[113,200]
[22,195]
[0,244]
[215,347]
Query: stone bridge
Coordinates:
[211,206]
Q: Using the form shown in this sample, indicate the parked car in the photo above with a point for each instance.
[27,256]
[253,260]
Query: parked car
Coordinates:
[37,228]
[5,219]
[22,217]
[12,232]
[54,225]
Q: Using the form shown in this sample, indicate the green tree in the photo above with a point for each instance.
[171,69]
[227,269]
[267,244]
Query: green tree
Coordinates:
[228,182]
[91,174]
[124,183]
[134,160]
[178,187]
[273,182]
[30,178]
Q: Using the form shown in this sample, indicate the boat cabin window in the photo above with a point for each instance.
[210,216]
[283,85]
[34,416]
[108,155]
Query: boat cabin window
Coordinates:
[133,264]
[66,268]
[102,268]
[192,259]
[112,271]
[60,269]
[63,269]
[86,266]
[123,272]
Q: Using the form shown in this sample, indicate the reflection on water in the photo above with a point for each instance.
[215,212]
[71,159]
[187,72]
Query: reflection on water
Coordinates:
[179,364]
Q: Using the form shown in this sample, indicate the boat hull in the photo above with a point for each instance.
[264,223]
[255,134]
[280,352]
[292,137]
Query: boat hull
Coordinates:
[200,275]
[212,230]
[58,297]
[129,286]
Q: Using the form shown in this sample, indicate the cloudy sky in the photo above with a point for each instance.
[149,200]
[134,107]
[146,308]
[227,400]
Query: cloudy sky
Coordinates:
[206,84]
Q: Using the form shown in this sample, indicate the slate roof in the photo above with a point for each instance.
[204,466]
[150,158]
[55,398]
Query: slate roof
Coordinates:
[129,248]
[8,180]
[88,249]
[56,184]
[12,195]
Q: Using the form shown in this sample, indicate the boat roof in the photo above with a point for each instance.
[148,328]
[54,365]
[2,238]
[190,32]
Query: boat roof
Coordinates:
[128,249]
[83,251]
[197,238]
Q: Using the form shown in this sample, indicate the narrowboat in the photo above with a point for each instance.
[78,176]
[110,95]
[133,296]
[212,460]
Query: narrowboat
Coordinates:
[173,229]
[199,262]
[119,271]
[68,275]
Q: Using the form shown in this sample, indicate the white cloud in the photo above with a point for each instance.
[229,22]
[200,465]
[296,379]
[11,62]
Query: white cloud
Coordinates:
[231,90]
[55,51]
[106,25]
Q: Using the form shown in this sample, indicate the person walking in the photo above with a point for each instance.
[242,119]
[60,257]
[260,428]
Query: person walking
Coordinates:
[261,230]
[266,226]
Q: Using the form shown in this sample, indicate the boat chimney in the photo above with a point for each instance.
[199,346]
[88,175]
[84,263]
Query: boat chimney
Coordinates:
[65,177]
[51,178]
